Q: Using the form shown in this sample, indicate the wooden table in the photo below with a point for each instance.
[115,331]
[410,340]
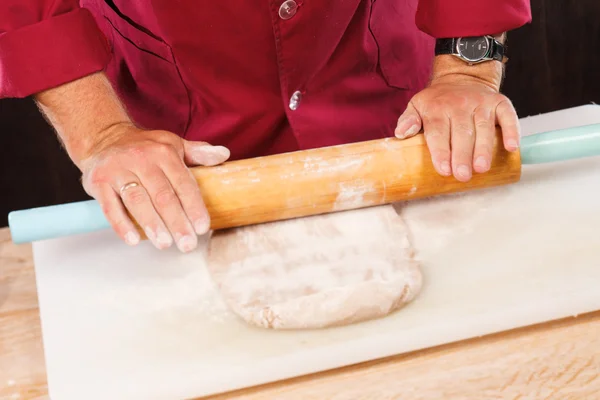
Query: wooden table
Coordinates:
[557,360]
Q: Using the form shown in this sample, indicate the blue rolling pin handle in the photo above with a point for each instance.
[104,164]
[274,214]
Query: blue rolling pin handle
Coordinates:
[56,221]
[561,145]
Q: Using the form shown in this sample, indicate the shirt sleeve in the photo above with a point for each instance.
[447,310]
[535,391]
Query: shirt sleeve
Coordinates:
[45,43]
[461,18]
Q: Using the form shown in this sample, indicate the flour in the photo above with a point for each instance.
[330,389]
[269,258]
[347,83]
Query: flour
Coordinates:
[449,216]
[167,296]
[317,271]
[352,195]
[316,165]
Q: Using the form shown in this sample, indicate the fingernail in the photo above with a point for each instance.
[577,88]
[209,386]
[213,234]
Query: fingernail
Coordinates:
[201,226]
[186,243]
[211,155]
[132,238]
[163,239]
[512,144]
[463,171]
[413,130]
[481,163]
[445,168]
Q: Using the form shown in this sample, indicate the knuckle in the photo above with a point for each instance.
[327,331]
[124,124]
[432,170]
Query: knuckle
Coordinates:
[464,130]
[460,102]
[483,124]
[135,196]
[462,154]
[121,227]
[485,143]
[96,177]
[163,149]
[430,118]
[483,150]
[119,221]
[135,152]
[504,104]
[189,193]
[107,210]
[434,129]
[432,134]
[186,183]
[164,197]
[183,177]
[431,109]
[482,116]
[120,224]
[501,98]
[441,154]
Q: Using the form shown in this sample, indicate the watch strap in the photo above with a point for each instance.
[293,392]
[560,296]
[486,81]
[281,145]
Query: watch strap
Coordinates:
[448,46]
[445,46]
[497,51]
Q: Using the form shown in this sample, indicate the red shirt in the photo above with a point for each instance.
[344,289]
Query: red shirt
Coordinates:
[259,77]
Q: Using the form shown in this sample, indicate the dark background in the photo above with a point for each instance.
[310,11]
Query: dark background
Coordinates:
[554,64]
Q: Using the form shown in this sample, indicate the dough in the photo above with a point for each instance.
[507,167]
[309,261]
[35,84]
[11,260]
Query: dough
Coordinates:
[316,272]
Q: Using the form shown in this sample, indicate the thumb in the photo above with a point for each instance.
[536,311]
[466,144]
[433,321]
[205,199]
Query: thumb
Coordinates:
[409,123]
[202,153]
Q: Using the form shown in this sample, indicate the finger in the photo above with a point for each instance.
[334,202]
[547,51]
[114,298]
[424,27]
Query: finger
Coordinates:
[187,190]
[202,153]
[437,136]
[115,213]
[409,123]
[462,141]
[139,204]
[168,206]
[506,116]
[485,134]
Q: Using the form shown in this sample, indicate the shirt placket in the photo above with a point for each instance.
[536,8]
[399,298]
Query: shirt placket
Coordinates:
[284,14]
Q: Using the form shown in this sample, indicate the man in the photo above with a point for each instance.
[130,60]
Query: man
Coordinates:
[137,89]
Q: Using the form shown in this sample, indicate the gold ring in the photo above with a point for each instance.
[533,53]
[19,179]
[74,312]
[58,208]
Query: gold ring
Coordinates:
[128,186]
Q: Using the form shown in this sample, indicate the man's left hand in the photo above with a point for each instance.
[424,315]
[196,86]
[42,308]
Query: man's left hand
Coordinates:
[458,114]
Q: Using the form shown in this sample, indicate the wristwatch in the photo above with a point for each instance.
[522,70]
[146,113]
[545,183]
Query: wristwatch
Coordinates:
[472,50]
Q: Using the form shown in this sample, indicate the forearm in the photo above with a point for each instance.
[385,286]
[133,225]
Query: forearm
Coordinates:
[82,112]
[450,68]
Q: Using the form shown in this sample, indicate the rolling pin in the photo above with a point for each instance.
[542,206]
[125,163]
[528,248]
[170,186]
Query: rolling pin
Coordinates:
[322,180]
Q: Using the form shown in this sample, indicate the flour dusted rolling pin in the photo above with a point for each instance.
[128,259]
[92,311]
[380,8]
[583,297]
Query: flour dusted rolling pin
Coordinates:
[322,180]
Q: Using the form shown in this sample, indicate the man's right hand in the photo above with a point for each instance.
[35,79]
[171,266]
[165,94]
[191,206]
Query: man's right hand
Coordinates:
[146,173]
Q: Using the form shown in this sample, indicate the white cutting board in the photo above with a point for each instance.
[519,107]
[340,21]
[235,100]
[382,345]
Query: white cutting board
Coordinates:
[135,323]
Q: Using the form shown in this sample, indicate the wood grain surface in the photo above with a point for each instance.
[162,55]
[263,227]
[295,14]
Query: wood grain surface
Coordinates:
[22,367]
[557,360]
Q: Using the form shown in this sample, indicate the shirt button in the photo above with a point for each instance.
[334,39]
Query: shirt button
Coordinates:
[295,100]
[288,9]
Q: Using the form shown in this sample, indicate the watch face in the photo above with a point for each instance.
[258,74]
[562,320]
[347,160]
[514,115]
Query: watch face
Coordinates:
[473,49]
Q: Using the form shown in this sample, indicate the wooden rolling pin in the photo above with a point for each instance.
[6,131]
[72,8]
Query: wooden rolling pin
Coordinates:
[333,179]
[322,180]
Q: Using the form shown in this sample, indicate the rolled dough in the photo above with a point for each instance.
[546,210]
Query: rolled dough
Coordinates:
[316,272]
